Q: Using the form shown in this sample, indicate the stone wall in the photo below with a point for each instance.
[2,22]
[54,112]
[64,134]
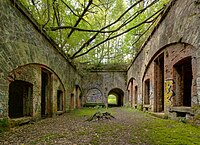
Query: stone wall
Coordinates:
[177,29]
[24,52]
[102,82]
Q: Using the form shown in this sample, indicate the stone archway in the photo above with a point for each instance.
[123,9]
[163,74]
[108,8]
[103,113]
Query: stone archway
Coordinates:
[119,94]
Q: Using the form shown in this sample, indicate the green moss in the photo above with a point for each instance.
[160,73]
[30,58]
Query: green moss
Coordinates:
[196,108]
[160,131]
[87,111]
[4,125]
[48,137]
[140,107]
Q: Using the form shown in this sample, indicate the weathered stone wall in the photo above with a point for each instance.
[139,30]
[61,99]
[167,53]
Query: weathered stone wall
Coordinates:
[179,25]
[104,81]
[21,44]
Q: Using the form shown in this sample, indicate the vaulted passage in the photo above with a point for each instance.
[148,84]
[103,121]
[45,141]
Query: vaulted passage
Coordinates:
[119,97]
[20,99]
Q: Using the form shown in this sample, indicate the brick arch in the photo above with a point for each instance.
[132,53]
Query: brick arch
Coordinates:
[40,77]
[130,80]
[162,49]
[160,71]
[14,72]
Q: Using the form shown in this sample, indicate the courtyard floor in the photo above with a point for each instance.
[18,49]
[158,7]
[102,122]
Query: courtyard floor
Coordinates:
[129,127]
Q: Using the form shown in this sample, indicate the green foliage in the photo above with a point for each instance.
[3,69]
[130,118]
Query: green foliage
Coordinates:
[4,125]
[112,99]
[106,48]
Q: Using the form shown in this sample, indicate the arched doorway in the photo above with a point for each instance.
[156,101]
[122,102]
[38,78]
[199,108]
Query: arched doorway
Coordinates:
[115,97]
[20,99]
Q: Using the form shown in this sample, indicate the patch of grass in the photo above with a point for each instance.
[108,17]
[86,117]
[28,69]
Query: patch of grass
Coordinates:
[4,125]
[160,131]
[112,99]
[47,138]
[88,111]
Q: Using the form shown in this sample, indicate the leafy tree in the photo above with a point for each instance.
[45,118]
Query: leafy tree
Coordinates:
[97,31]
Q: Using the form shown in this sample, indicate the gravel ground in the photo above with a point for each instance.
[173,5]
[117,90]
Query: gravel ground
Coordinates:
[71,129]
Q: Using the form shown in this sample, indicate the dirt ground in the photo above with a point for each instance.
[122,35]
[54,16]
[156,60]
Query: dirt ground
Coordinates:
[71,129]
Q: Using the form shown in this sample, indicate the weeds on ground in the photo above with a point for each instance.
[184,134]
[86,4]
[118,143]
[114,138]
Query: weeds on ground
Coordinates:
[162,131]
[88,111]
[4,125]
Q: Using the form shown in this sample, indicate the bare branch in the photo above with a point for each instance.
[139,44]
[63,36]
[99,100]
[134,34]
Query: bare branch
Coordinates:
[94,36]
[153,22]
[109,38]
[48,8]
[78,21]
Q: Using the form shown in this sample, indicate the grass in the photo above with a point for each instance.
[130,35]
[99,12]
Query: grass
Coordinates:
[149,130]
[112,99]
[170,132]
[87,111]
[4,125]
[47,138]
[136,128]
[161,132]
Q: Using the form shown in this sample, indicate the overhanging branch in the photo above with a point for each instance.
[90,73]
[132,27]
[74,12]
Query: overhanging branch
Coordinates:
[109,38]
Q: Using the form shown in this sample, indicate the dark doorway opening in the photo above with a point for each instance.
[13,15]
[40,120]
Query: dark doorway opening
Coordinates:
[131,93]
[159,83]
[183,79]
[147,92]
[118,95]
[20,99]
[136,95]
[78,97]
[59,100]
[72,102]
[46,92]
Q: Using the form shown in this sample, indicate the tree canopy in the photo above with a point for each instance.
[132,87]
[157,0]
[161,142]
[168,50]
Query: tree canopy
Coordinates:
[97,31]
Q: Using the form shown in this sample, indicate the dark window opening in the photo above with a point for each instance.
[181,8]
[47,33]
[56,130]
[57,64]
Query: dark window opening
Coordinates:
[183,79]
[159,83]
[59,100]
[147,92]
[20,99]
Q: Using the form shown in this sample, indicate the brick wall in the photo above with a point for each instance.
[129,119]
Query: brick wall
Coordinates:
[176,37]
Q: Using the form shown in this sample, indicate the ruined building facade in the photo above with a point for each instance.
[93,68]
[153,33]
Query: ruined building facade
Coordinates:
[164,77]
[37,80]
